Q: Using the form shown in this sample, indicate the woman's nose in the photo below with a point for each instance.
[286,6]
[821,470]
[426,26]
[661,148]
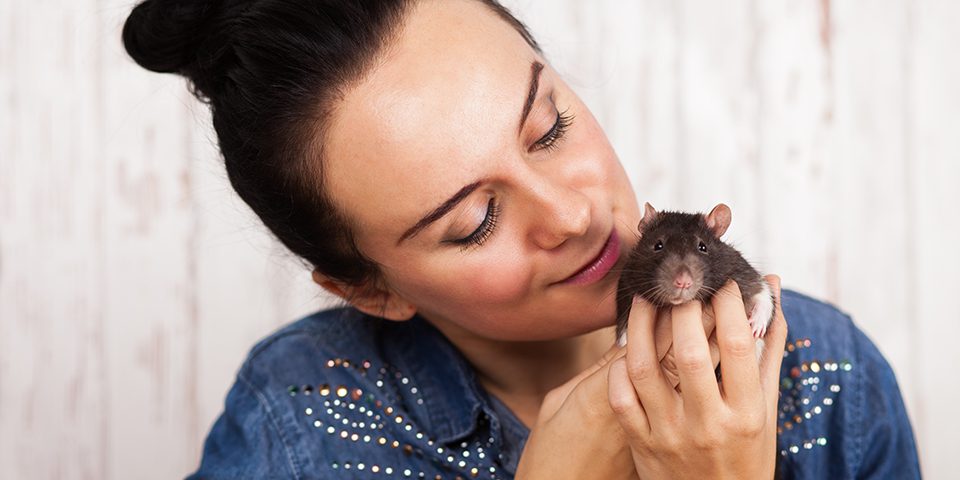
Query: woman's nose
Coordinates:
[561,213]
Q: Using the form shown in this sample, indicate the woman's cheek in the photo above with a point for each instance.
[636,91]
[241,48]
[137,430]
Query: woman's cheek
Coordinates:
[502,280]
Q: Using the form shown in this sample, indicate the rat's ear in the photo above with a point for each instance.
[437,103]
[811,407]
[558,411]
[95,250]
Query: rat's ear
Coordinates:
[718,220]
[649,215]
[372,300]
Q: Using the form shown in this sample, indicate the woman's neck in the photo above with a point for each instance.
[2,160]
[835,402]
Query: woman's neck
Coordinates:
[520,374]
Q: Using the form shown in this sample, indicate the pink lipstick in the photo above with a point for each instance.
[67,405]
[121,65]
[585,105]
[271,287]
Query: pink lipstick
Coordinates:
[600,265]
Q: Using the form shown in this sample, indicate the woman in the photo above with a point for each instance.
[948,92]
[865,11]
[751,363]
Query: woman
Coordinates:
[440,177]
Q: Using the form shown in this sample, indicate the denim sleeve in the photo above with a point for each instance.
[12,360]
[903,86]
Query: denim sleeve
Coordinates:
[886,443]
[841,414]
[246,441]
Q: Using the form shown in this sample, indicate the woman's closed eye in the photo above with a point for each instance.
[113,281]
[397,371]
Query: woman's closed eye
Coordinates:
[551,139]
[483,232]
[548,141]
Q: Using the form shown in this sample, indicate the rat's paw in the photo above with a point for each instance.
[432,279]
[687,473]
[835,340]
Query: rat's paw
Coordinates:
[762,313]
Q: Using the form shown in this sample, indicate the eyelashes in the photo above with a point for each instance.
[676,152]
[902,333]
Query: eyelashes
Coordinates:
[550,141]
[553,137]
[483,232]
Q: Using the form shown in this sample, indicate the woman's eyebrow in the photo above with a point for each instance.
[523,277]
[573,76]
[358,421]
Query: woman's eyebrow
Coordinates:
[535,69]
[438,213]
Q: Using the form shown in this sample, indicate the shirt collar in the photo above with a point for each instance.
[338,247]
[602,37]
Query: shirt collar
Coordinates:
[454,404]
[452,400]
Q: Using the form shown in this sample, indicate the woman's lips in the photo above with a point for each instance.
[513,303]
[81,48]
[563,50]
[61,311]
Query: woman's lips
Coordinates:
[600,265]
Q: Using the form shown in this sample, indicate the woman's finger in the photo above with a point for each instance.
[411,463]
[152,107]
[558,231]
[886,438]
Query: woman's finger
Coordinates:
[663,332]
[667,360]
[643,365]
[701,394]
[553,401]
[738,349]
[714,350]
[775,340]
[624,402]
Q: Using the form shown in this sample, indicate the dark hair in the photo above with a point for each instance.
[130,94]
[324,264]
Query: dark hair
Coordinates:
[272,71]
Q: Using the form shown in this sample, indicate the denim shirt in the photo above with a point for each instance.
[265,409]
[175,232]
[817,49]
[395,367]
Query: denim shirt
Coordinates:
[340,394]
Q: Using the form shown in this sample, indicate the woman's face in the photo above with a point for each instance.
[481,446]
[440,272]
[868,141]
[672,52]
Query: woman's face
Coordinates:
[443,117]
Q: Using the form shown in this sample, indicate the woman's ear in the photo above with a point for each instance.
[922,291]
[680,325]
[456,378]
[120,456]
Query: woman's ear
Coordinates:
[375,301]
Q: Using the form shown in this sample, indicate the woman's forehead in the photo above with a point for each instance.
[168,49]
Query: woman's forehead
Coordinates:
[431,116]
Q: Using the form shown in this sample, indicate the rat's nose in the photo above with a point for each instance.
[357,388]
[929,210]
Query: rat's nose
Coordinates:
[683,280]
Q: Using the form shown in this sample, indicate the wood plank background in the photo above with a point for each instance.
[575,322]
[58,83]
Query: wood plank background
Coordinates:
[133,281]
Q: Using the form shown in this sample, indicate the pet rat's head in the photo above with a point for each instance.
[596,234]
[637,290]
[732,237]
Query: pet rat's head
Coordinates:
[676,258]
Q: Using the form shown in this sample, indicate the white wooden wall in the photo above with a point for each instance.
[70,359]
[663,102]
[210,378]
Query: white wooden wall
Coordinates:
[133,281]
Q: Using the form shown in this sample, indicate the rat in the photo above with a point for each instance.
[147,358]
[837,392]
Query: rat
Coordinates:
[679,257]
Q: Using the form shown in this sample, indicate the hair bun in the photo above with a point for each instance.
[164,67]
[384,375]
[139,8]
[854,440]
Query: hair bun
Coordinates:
[164,35]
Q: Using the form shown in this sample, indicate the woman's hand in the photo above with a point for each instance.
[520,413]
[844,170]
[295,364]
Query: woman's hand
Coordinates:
[663,339]
[577,434]
[709,429]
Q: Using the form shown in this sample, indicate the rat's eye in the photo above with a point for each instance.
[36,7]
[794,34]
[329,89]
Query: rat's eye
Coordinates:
[658,246]
[702,247]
